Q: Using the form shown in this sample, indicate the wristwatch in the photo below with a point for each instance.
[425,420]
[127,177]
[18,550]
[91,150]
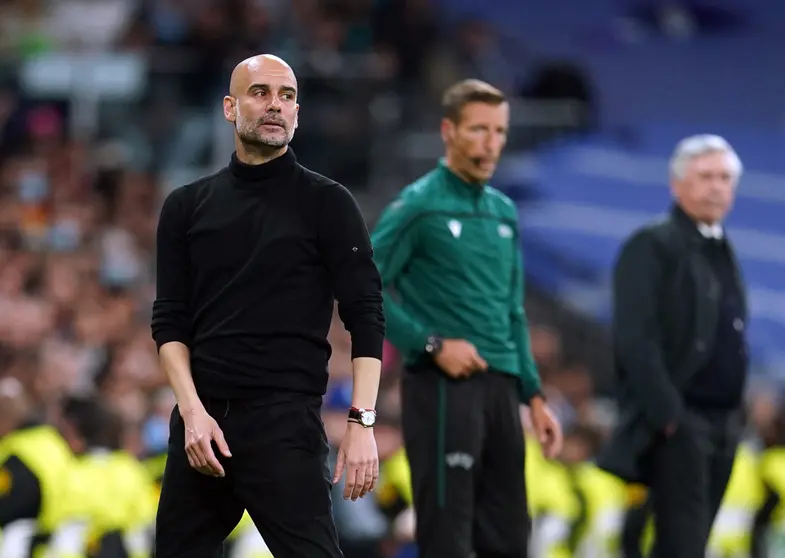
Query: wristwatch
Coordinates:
[433,345]
[364,417]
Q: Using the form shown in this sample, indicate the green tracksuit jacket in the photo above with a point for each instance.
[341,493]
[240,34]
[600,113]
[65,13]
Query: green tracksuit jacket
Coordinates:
[449,250]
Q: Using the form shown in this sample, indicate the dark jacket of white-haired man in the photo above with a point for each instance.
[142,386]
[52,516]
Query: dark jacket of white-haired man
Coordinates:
[679,323]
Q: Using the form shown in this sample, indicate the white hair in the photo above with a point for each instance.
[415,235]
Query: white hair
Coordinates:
[699,145]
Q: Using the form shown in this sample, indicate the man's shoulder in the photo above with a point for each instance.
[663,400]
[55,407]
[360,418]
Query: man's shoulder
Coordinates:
[322,190]
[658,233]
[424,193]
[193,189]
[501,203]
[659,228]
[208,180]
[312,179]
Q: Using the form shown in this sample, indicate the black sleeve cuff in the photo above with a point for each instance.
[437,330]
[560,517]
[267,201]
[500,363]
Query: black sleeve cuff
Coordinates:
[167,336]
[367,342]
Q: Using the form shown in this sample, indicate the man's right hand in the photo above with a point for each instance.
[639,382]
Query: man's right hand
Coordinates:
[459,358]
[200,431]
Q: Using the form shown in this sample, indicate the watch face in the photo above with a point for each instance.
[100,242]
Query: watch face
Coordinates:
[368,418]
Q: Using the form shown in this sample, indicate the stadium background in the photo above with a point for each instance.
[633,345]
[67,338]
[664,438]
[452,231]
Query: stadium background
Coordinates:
[106,105]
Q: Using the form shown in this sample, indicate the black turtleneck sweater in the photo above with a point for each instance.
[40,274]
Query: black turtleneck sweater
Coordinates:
[249,263]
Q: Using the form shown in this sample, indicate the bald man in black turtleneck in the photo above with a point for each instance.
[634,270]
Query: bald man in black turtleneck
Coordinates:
[249,262]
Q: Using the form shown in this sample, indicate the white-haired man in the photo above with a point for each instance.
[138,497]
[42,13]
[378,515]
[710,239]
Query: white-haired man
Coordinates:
[679,325]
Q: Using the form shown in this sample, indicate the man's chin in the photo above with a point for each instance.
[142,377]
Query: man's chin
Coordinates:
[481,176]
[266,142]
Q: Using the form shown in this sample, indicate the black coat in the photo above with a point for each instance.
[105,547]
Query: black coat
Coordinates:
[666,304]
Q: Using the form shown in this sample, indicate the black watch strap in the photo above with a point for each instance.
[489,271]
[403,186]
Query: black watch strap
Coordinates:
[433,345]
[363,417]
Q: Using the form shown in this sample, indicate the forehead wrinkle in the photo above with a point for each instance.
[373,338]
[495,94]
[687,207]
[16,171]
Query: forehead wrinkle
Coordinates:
[251,69]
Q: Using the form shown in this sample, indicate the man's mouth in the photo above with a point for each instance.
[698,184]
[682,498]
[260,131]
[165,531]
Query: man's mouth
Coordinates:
[485,163]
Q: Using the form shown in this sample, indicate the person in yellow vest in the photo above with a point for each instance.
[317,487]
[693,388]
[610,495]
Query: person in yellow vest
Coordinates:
[155,464]
[247,542]
[35,461]
[605,496]
[394,496]
[602,495]
[110,497]
[394,489]
[731,534]
[118,498]
[559,506]
[768,531]
[589,502]
[637,529]
[543,487]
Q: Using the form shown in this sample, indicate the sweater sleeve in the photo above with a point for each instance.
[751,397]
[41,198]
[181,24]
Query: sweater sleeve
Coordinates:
[171,320]
[346,248]
[395,241]
[529,383]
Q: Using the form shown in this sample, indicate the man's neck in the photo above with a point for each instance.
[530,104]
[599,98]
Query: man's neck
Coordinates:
[260,155]
[701,222]
[707,228]
[468,179]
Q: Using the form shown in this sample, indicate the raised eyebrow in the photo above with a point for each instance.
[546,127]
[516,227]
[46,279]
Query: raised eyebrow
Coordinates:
[285,88]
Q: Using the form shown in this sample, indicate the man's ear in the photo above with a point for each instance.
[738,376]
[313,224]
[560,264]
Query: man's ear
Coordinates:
[296,116]
[676,187]
[230,108]
[447,130]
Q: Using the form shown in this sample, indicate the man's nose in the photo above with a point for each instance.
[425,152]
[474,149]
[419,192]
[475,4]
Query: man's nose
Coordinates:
[275,104]
[493,144]
[492,147]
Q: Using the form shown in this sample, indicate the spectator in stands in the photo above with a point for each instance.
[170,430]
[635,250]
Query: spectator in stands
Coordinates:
[680,315]
[409,30]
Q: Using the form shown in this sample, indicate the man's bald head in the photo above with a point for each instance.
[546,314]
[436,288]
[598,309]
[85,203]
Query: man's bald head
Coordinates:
[255,67]
[262,102]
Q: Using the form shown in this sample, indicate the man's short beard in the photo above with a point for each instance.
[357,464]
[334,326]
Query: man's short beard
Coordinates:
[254,141]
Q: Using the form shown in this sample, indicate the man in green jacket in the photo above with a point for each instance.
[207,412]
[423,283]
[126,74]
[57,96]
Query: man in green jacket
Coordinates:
[448,248]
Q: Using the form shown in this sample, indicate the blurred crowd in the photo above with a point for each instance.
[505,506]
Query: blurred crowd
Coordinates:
[79,199]
[78,207]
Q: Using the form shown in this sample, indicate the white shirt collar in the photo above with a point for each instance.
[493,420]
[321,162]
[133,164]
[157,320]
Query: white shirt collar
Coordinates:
[711,231]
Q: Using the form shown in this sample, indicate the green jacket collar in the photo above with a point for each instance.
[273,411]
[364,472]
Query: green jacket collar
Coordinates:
[459,184]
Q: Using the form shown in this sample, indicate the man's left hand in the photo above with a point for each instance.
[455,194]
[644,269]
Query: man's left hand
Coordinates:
[546,427]
[359,456]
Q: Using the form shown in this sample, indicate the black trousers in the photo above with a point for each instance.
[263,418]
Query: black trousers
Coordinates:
[689,472]
[465,446]
[278,472]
